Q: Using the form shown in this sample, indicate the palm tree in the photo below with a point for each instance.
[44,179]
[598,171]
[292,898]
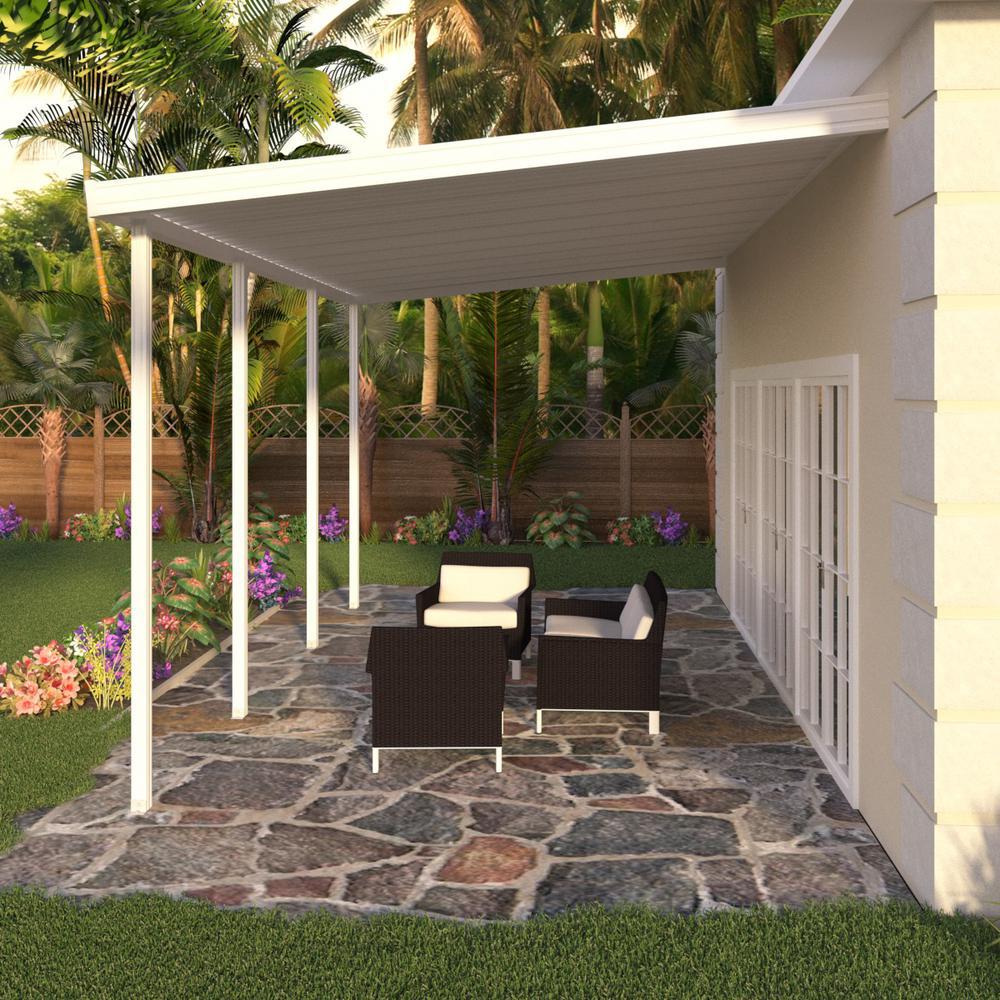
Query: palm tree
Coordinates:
[460,32]
[595,355]
[383,355]
[489,363]
[712,54]
[49,365]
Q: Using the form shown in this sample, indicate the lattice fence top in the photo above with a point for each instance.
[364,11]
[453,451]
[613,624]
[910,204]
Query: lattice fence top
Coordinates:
[669,422]
[411,422]
[288,420]
[566,420]
[21,421]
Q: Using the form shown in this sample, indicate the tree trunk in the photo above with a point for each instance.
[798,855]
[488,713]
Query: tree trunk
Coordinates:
[102,281]
[52,438]
[425,136]
[544,343]
[368,441]
[786,50]
[708,442]
[432,360]
[595,355]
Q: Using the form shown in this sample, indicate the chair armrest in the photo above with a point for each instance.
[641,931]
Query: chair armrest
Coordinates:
[584,608]
[425,599]
[579,651]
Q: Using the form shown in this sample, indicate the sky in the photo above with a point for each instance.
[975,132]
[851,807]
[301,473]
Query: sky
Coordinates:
[372,97]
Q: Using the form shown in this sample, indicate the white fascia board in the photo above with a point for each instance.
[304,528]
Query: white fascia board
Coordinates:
[123,201]
[858,38]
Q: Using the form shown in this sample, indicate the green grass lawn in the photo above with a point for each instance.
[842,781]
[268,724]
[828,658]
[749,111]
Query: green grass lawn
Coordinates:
[151,946]
[51,588]
[47,761]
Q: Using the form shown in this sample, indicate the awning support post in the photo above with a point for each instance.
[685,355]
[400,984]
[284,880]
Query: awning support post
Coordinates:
[241,495]
[354,484]
[141,499]
[312,468]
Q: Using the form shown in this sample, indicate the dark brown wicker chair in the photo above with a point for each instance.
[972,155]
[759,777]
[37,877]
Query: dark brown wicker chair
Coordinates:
[611,675]
[517,638]
[437,687]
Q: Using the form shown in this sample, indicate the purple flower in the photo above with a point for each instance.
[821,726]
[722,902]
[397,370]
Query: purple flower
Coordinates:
[267,584]
[332,527]
[124,532]
[671,527]
[466,525]
[10,521]
[161,671]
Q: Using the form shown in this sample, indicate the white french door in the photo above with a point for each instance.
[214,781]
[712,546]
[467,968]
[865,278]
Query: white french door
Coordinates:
[794,549]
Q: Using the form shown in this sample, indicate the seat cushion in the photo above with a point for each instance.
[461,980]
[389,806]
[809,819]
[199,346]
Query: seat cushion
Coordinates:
[637,615]
[471,614]
[584,628]
[489,584]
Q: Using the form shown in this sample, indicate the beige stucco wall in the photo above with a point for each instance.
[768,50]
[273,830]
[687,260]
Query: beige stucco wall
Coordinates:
[893,253]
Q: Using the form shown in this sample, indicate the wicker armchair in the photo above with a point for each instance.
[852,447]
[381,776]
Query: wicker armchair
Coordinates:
[440,688]
[517,635]
[602,673]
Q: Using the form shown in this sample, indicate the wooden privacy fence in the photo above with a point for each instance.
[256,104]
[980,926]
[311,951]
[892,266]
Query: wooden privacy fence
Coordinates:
[628,464]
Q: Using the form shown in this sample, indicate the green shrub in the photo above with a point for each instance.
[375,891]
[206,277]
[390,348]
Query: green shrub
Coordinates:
[433,527]
[564,523]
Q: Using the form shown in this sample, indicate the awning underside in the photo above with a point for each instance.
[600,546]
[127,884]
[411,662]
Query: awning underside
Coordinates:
[610,201]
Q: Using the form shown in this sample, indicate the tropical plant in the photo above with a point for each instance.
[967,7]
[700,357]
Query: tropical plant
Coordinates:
[383,356]
[563,522]
[433,527]
[52,366]
[459,30]
[182,609]
[489,350]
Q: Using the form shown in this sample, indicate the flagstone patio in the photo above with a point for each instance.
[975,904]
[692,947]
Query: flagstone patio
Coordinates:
[728,807]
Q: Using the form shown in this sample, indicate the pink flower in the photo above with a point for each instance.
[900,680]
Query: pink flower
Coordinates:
[26,706]
[71,689]
[61,702]
[67,669]
[3,669]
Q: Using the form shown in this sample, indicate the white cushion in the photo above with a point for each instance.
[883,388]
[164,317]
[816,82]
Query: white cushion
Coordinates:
[584,628]
[492,584]
[637,615]
[470,614]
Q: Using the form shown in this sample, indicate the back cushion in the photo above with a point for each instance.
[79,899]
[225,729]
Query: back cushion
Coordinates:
[637,616]
[492,584]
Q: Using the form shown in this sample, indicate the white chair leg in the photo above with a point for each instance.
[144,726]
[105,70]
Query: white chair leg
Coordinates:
[374,760]
[654,723]
[499,759]
[515,670]
[538,721]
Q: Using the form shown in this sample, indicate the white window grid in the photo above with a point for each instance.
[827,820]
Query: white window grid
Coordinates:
[794,546]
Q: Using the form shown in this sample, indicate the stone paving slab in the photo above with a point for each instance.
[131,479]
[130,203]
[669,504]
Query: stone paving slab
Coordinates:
[730,806]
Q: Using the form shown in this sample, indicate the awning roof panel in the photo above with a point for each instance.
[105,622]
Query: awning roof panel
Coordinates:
[609,201]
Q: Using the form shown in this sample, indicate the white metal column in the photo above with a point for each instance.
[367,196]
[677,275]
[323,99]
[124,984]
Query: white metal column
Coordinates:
[142,514]
[312,468]
[354,491]
[241,499]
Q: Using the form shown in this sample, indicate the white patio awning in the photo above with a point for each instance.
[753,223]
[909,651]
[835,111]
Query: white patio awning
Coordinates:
[649,197]
[657,196]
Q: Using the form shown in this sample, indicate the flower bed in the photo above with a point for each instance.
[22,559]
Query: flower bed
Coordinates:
[446,525]
[651,529]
